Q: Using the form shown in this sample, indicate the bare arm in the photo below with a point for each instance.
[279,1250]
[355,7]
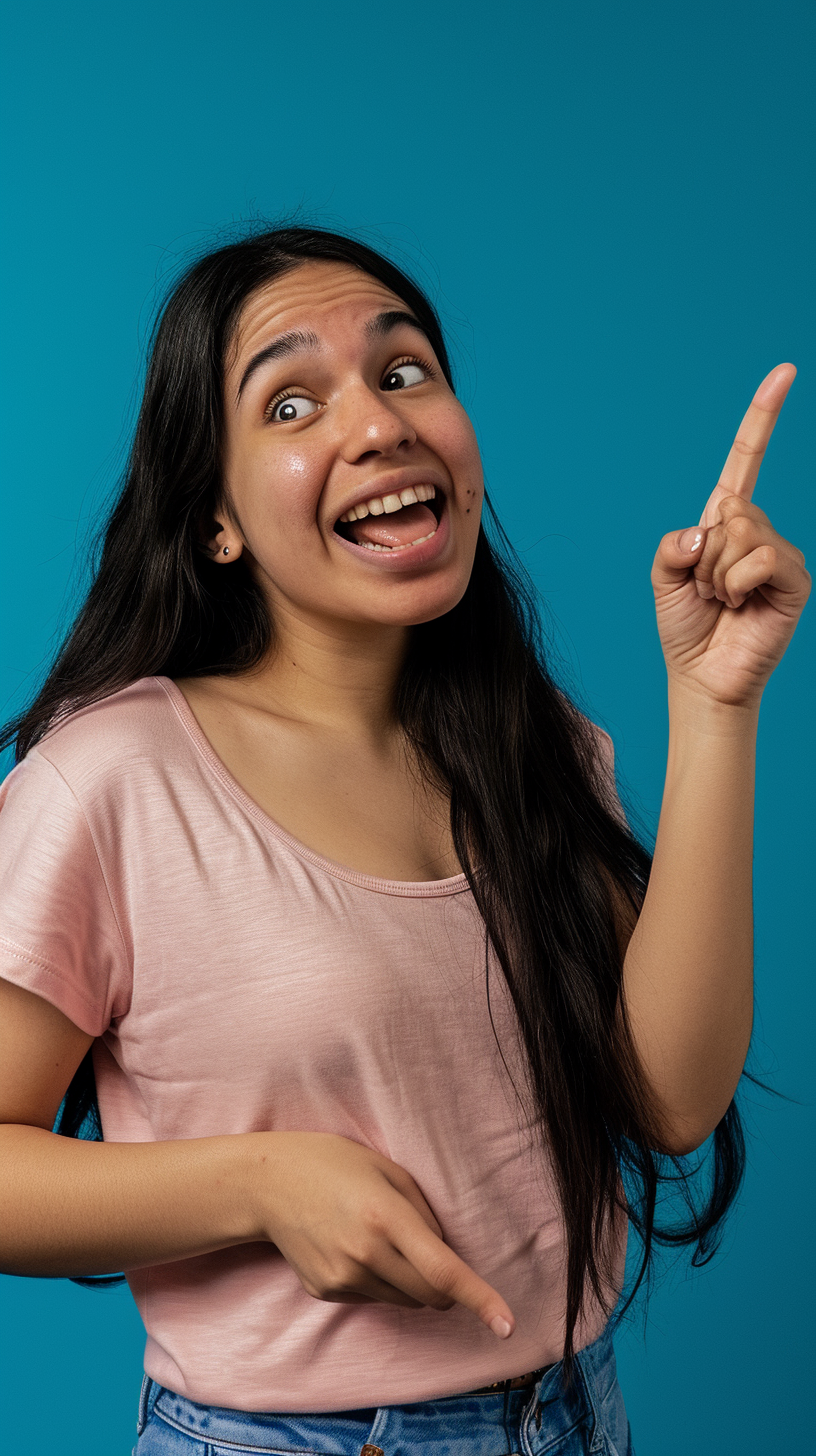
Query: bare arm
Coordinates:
[353,1225]
[70,1207]
[728,596]
[688,970]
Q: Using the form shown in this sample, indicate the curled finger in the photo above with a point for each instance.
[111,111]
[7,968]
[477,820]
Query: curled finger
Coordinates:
[704,568]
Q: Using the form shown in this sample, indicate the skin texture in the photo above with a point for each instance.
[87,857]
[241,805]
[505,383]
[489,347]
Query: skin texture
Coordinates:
[728,596]
[353,1225]
[287,482]
[321,703]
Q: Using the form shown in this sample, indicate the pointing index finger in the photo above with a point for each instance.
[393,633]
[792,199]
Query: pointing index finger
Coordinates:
[739,474]
[437,1263]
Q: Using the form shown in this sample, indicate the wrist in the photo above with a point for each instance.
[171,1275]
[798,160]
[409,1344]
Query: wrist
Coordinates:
[260,1176]
[694,712]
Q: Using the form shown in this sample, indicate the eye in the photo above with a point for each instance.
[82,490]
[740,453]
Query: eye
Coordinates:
[293,407]
[409,373]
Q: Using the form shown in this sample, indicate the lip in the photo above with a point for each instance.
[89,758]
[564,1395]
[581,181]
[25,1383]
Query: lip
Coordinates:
[392,483]
[407,558]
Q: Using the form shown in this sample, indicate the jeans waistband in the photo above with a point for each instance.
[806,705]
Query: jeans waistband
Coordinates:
[390,1426]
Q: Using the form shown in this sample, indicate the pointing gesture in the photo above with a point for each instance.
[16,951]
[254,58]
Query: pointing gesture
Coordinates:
[355,1228]
[729,592]
[741,469]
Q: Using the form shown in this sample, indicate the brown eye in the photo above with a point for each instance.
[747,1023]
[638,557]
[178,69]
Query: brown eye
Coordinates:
[406,374]
[294,407]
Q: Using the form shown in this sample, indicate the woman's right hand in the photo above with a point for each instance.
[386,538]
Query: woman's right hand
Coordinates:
[355,1228]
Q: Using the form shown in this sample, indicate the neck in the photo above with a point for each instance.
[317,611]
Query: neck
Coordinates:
[334,675]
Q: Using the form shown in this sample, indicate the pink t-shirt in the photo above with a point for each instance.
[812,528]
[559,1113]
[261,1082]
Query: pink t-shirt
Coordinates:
[236,981]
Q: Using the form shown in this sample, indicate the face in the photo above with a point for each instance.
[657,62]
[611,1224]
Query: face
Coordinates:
[334,402]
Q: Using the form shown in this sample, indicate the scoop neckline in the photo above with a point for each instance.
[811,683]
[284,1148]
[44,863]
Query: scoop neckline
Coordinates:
[413,889]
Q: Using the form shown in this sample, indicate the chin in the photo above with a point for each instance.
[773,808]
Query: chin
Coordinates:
[410,608]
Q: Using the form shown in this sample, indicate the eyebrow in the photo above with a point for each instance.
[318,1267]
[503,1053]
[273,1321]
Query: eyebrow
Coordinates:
[393,318]
[299,340]
[293,342]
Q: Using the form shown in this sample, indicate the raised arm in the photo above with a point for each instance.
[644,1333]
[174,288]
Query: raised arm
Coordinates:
[728,595]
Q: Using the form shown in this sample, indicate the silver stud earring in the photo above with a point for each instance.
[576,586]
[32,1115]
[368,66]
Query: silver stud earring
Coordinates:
[226,550]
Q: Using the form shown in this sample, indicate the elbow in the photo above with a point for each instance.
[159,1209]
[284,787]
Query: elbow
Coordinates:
[682,1145]
[685,1115]
[679,1137]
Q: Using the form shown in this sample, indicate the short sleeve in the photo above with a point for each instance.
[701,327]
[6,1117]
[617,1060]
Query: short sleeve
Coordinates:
[58,933]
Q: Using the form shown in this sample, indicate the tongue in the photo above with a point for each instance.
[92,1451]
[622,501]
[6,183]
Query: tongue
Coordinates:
[399,528]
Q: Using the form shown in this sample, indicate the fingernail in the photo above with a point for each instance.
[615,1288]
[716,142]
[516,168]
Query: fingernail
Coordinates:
[690,540]
[500,1327]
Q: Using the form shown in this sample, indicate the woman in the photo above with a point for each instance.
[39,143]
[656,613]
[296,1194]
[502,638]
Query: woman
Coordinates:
[311,874]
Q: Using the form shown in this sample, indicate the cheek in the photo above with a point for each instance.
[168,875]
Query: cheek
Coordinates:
[281,486]
[295,480]
[455,440]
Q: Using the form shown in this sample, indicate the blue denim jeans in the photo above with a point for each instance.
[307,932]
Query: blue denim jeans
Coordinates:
[587,1420]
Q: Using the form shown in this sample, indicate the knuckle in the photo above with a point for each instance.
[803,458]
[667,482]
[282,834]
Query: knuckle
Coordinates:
[373,1217]
[350,1274]
[339,1277]
[443,1279]
[345,1275]
[441,1301]
[745,447]
[726,506]
[739,528]
[713,544]
[361,1251]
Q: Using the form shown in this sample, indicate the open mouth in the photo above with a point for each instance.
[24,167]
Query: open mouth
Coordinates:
[393,522]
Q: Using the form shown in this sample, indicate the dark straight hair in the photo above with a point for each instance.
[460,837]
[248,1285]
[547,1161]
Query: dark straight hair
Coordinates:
[530,800]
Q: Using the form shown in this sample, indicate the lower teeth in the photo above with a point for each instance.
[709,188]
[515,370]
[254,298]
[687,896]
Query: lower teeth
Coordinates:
[371,546]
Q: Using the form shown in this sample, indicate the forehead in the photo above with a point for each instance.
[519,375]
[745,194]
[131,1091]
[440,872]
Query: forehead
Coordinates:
[314,295]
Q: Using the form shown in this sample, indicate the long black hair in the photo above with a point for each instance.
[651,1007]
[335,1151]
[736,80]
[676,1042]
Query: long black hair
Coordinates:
[530,801]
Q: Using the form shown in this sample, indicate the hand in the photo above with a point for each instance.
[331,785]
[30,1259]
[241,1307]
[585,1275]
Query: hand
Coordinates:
[728,594]
[355,1228]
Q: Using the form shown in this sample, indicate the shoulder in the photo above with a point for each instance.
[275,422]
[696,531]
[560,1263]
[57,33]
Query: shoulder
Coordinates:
[101,741]
[104,756]
[104,777]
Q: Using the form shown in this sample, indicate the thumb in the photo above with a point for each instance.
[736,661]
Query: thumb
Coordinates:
[677,555]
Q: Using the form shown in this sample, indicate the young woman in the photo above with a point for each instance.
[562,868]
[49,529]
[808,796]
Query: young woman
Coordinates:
[311,875]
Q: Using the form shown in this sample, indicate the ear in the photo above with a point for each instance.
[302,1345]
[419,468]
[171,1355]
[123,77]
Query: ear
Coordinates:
[221,542]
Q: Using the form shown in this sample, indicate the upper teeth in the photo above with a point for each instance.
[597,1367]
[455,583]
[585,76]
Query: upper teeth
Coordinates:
[384,504]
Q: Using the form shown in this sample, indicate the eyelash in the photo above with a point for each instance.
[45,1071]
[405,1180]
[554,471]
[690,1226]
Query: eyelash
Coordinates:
[294,393]
[411,359]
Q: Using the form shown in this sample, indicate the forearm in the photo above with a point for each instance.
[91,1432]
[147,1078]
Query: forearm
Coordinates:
[688,970]
[73,1208]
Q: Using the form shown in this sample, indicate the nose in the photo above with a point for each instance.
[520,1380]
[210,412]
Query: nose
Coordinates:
[373,425]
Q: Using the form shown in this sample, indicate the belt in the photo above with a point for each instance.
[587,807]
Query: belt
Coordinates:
[518,1383]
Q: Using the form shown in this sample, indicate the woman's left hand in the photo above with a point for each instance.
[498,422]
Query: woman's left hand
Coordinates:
[728,607]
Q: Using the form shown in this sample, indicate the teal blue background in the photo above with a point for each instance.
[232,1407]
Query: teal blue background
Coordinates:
[612,206]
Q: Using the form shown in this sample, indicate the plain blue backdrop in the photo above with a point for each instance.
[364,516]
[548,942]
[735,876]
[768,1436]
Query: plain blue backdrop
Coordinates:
[612,206]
